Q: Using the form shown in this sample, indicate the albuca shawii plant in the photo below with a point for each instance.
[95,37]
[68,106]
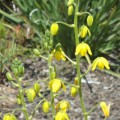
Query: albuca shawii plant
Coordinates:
[59,111]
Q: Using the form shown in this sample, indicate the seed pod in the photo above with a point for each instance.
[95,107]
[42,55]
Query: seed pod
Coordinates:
[37,87]
[70,10]
[46,107]
[70,2]
[76,81]
[21,69]
[73,91]
[36,52]
[9,76]
[31,94]
[90,20]
[54,29]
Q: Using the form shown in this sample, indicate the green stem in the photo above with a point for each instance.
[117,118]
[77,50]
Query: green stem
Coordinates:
[22,99]
[68,25]
[51,93]
[78,61]
[82,13]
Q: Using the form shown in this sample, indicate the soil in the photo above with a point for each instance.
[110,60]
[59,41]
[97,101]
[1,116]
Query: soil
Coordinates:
[102,87]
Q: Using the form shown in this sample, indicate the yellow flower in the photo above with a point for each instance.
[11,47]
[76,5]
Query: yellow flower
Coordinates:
[46,107]
[58,53]
[83,48]
[84,31]
[61,116]
[56,84]
[105,109]
[54,29]
[100,62]
[9,117]
[90,20]
[63,105]
[73,91]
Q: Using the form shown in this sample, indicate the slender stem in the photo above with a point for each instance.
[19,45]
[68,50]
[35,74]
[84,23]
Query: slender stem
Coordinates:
[23,100]
[51,93]
[43,57]
[78,61]
[82,13]
[68,25]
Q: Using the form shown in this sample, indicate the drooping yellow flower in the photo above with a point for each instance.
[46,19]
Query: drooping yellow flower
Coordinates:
[82,49]
[84,31]
[63,105]
[9,117]
[46,107]
[90,20]
[74,91]
[62,116]
[54,29]
[100,62]
[58,53]
[105,109]
[70,10]
[56,84]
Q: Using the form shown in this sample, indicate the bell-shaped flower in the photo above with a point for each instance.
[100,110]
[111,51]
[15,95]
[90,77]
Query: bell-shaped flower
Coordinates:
[9,117]
[56,84]
[100,62]
[54,29]
[83,31]
[105,109]
[63,106]
[62,116]
[58,53]
[82,49]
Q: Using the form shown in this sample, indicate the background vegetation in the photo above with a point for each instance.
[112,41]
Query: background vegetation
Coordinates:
[34,17]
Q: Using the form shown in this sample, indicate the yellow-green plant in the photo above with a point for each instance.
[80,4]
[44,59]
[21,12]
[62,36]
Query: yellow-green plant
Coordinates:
[55,84]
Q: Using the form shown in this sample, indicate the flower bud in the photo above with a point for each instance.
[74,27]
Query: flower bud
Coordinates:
[70,2]
[54,29]
[76,81]
[15,71]
[90,20]
[31,95]
[21,69]
[9,76]
[36,52]
[9,117]
[46,107]
[70,10]
[73,91]
[37,87]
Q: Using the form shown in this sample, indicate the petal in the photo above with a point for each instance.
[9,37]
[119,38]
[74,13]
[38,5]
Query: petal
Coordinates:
[57,55]
[77,49]
[100,64]
[94,65]
[63,86]
[89,50]
[56,85]
[89,33]
[50,83]
[106,63]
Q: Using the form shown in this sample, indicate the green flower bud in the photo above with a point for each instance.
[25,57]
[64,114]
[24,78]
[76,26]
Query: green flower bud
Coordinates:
[15,71]
[54,29]
[9,76]
[21,69]
[45,45]
[46,107]
[9,117]
[70,10]
[37,87]
[70,2]
[31,94]
[36,52]
[90,20]
[73,91]
[19,102]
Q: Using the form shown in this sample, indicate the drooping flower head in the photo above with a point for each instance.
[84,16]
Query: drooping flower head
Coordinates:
[83,31]
[63,106]
[100,62]
[56,84]
[105,109]
[46,106]
[58,53]
[61,116]
[54,29]
[90,20]
[82,49]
